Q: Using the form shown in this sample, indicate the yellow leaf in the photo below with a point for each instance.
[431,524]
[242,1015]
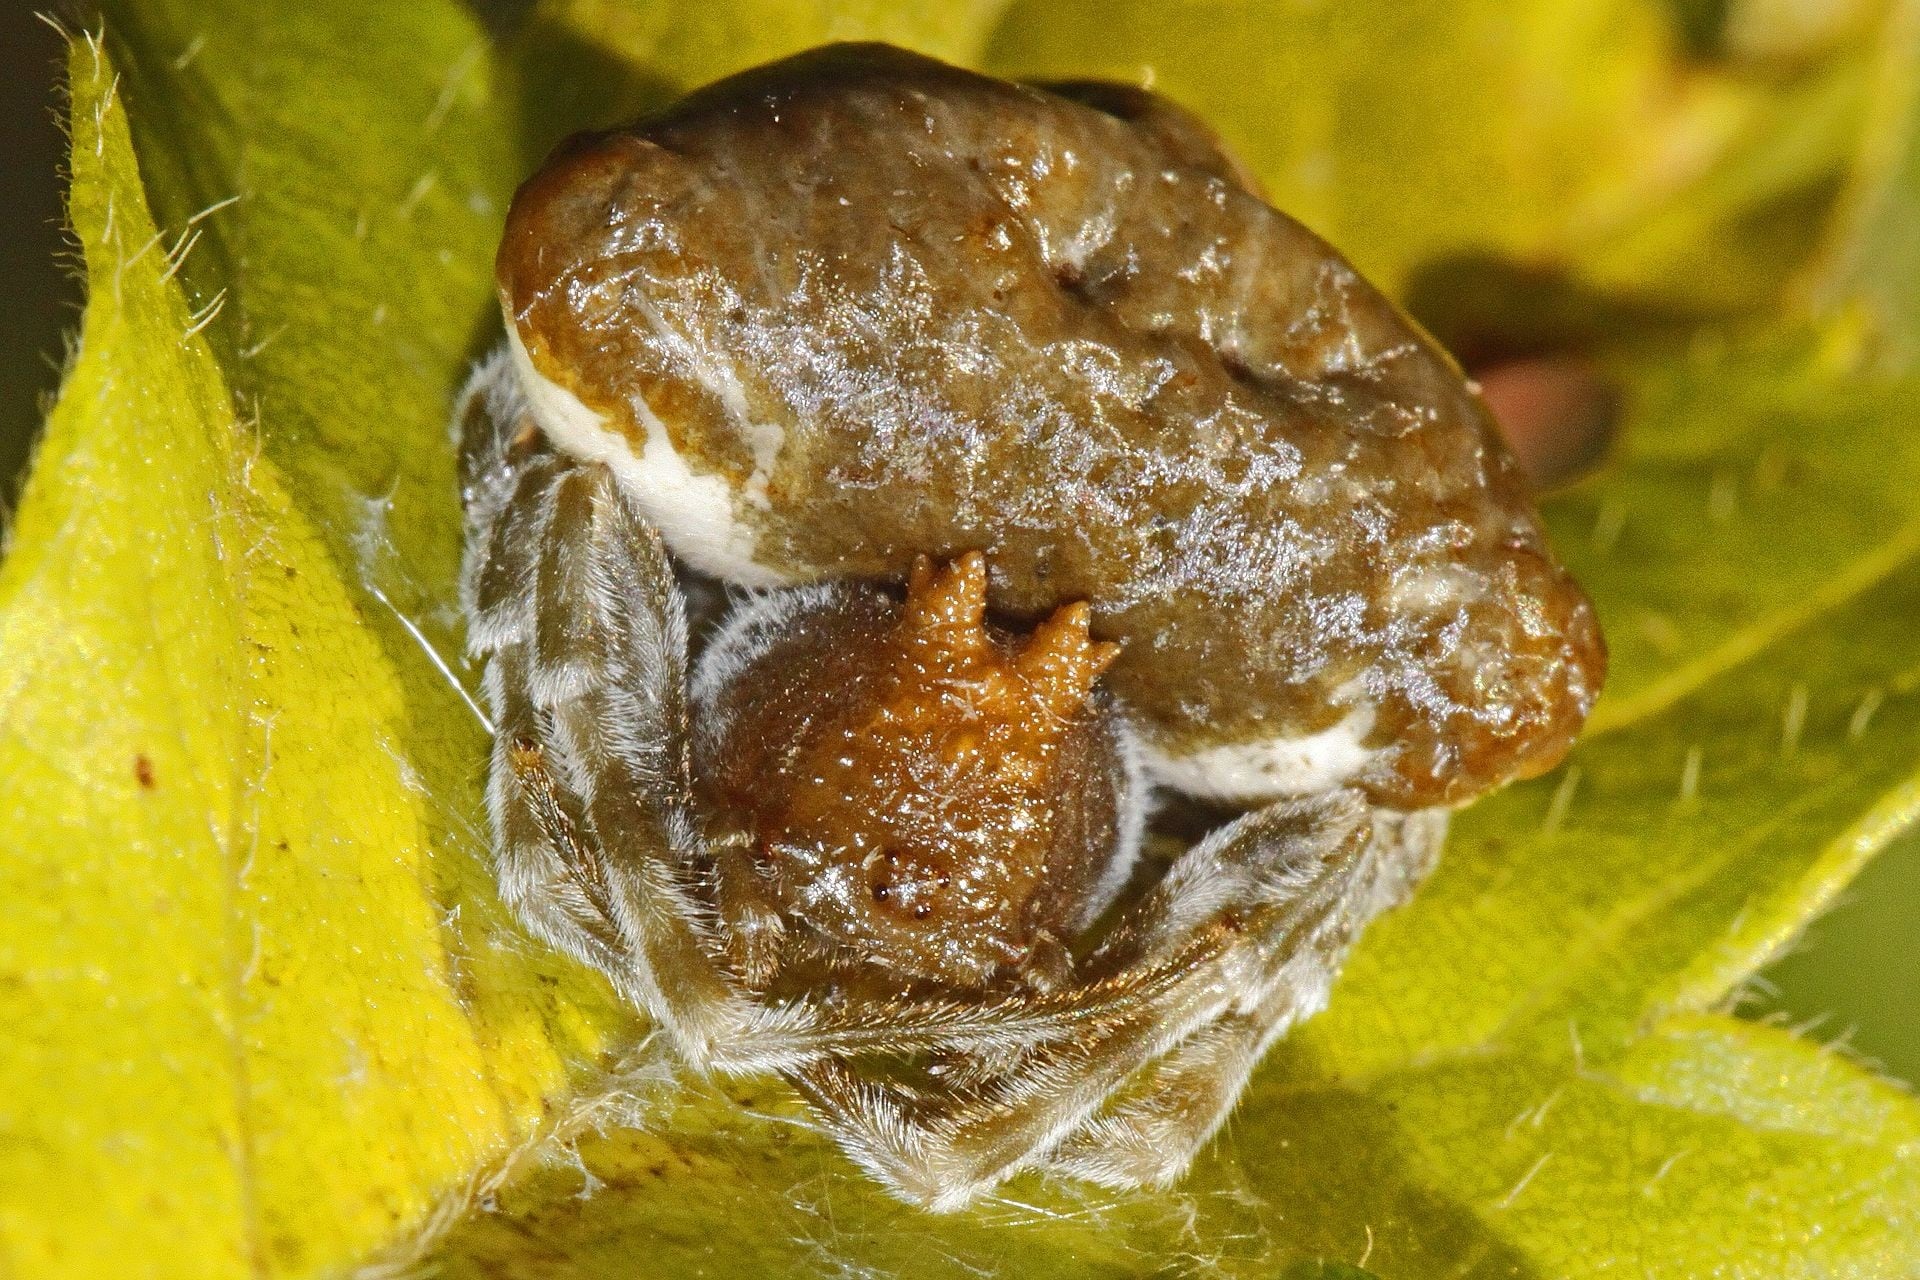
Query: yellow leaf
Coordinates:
[249,1029]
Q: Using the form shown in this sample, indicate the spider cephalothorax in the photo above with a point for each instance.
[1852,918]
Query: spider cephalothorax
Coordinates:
[835,329]
[913,785]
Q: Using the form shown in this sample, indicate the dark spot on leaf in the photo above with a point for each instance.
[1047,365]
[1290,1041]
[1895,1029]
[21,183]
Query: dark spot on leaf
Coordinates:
[1557,412]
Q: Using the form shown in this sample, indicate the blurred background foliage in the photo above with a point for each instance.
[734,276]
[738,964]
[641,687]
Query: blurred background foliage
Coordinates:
[1855,975]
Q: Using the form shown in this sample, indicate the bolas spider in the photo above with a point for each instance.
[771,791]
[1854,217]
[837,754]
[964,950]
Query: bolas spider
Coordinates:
[1062,468]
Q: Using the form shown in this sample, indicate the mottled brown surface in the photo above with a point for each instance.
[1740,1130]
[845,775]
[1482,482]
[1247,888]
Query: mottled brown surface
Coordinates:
[919,789]
[988,317]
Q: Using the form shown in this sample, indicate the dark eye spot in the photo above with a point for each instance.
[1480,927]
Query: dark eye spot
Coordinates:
[921,911]
[882,892]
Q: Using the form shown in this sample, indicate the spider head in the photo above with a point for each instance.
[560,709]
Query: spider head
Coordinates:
[943,798]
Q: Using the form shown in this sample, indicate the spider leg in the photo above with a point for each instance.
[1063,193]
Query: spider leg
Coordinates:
[575,607]
[1255,859]
[1149,1134]
[752,931]
[1292,911]
[1150,1138]
[538,841]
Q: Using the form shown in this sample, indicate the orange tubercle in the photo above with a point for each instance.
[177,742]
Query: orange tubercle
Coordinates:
[943,634]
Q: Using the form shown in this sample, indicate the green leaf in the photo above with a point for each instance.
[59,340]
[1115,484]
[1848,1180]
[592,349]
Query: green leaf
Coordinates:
[267,1017]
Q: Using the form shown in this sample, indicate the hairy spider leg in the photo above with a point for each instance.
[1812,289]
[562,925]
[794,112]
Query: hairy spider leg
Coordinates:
[506,474]
[1279,887]
[1148,1133]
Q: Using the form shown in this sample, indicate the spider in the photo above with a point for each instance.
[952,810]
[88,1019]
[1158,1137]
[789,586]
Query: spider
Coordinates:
[1036,518]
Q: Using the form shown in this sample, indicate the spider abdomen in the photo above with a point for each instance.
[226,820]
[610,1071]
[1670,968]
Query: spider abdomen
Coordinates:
[945,800]
[858,306]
